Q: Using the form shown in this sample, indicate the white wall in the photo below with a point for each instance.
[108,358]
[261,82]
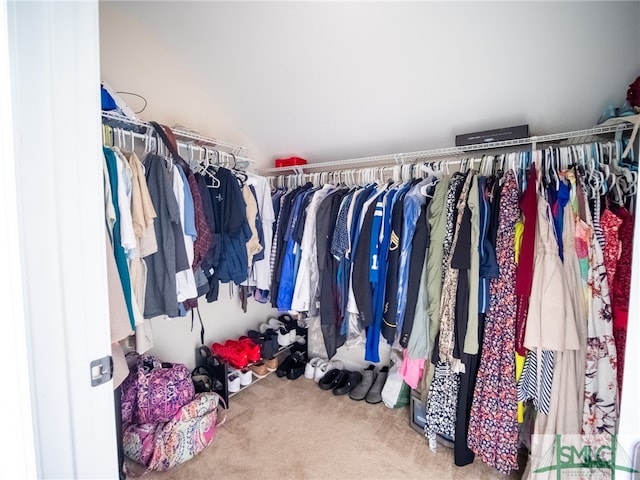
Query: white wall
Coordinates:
[330,80]
[134,61]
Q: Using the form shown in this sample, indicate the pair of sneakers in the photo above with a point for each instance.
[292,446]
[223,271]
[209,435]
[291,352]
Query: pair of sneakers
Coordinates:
[317,368]
[238,353]
[268,341]
[263,367]
[286,332]
[293,366]
[236,379]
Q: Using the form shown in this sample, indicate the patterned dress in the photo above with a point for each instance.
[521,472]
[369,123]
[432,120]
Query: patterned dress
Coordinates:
[622,288]
[493,426]
[442,399]
[610,225]
[601,387]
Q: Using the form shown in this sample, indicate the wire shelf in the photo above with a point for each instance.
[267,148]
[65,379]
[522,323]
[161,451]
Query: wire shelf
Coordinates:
[182,134]
[400,158]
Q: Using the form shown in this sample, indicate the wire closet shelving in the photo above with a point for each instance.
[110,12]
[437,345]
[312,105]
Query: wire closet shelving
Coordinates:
[117,119]
[440,153]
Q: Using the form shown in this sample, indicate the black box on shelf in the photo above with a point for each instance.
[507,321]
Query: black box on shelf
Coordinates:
[495,135]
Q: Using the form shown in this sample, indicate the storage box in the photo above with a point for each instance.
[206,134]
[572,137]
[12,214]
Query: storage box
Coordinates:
[289,162]
[490,136]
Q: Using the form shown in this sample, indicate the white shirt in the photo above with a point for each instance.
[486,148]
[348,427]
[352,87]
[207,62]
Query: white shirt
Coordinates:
[306,288]
[185,280]
[260,277]
[127,234]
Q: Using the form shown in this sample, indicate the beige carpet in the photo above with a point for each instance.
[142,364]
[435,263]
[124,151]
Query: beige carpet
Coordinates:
[283,429]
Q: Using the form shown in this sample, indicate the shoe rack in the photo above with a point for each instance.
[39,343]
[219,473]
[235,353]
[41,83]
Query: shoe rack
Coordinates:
[283,351]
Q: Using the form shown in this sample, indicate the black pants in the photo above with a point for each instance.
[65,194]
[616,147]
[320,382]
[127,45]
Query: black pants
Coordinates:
[461,452]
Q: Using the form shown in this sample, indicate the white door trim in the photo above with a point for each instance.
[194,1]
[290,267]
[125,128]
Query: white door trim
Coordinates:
[18,452]
[55,77]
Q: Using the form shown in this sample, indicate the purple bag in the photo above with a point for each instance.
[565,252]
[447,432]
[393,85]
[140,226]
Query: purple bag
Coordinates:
[160,446]
[154,391]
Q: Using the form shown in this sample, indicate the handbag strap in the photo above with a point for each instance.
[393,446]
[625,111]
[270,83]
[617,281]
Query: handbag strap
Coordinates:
[201,325]
[169,139]
[200,371]
[224,407]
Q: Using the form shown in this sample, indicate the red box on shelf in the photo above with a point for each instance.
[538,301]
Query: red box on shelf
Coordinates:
[289,162]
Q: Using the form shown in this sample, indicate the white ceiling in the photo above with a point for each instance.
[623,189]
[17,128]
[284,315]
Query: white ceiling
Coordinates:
[329,80]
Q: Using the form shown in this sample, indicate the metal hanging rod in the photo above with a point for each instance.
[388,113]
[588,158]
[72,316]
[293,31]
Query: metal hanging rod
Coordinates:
[123,137]
[186,135]
[399,158]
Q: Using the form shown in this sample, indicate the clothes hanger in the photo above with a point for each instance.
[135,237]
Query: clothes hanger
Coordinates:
[211,170]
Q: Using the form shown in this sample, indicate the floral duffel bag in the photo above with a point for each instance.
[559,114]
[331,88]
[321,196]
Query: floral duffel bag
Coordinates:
[154,390]
[160,446]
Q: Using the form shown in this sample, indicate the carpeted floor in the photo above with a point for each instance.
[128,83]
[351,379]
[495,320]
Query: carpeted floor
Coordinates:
[281,429]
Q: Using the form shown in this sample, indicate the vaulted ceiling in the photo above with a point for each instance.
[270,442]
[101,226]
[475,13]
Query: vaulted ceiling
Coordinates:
[331,80]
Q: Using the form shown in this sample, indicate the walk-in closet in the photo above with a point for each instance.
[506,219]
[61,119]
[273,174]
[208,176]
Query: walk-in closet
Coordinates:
[321,240]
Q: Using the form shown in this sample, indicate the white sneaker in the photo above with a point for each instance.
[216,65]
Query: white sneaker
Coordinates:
[284,339]
[292,336]
[233,381]
[310,367]
[245,377]
[324,367]
[264,327]
[275,323]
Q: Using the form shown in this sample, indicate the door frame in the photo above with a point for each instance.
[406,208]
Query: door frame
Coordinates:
[57,235]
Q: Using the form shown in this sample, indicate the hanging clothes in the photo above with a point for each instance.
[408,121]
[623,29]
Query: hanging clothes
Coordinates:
[493,427]
[601,389]
[378,254]
[524,272]
[185,280]
[160,294]
[261,271]
[119,250]
[389,323]
[231,231]
[442,403]
[414,201]
[328,268]
[622,288]
[305,290]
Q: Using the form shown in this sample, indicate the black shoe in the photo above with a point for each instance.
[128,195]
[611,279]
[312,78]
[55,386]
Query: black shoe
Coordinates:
[270,346]
[284,366]
[298,348]
[349,381]
[331,379]
[289,322]
[256,336]
[296,367]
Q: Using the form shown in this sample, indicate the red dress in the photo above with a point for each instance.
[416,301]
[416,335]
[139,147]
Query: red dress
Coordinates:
[622,287]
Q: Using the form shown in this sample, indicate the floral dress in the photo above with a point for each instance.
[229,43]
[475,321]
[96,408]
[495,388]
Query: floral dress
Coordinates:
[600,413]
[493,426]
